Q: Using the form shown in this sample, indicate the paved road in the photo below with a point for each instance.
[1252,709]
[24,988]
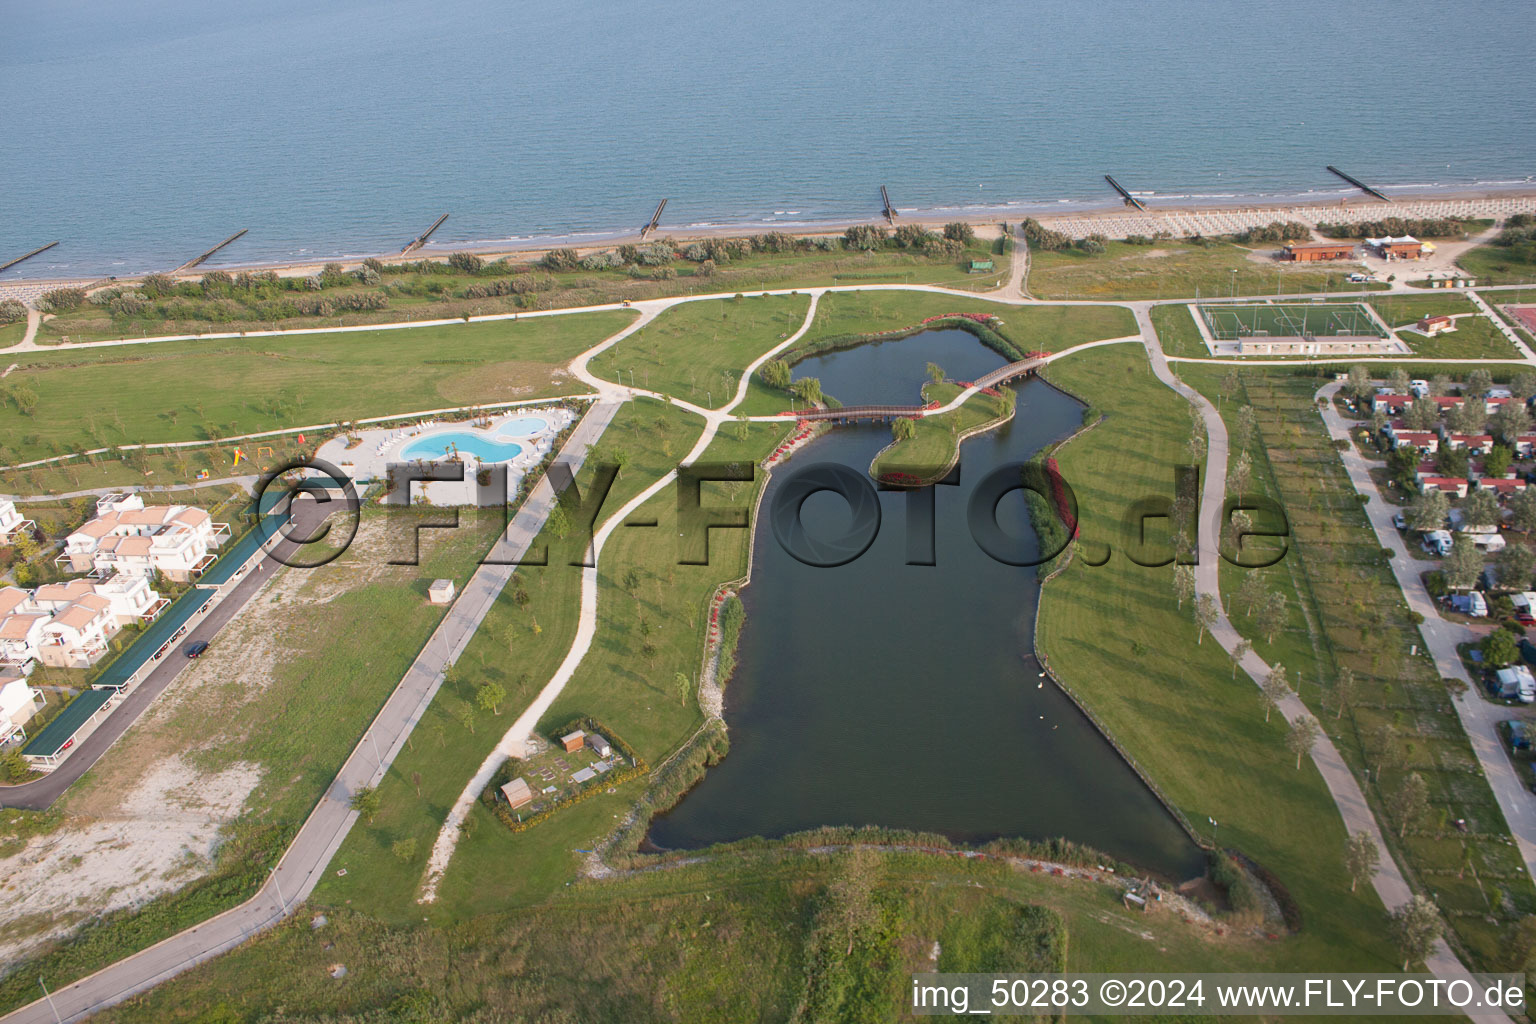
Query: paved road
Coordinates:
[327,825]
[40,795]
[1478,716]
[1388,880]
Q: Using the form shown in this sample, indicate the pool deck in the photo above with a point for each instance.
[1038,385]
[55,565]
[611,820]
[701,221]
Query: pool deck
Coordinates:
[380,448]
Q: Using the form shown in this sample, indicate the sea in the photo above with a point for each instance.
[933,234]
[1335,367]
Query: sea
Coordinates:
[138,135]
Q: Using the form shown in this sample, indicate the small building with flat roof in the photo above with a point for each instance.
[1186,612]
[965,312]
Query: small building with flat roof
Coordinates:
[574,741]
[1312,252]
[600,746]
[440,592]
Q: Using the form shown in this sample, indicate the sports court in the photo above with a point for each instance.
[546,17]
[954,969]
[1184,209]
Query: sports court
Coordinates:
[1306,321]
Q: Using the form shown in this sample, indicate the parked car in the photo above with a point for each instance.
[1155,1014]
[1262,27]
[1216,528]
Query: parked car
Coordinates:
[1399,520]
[1418,388]
[196,648]
[1525,606]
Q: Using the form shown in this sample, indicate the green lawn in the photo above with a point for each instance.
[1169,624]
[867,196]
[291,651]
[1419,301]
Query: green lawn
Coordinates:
[1048,328]
[1344,608]
[1169,270]
[936,442]
[1497,264]
[11,334]
[1177,331]
[1405,310]
[185,391]
[447,747]
[1475,337]
[353,629]
[697,351]
[1115,635]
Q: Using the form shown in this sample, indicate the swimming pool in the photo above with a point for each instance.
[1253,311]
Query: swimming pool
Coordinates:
[435,446]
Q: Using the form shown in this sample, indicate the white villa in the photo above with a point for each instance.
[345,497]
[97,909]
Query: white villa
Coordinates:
[133,539]
[18,703]
[69,624]
[11,522]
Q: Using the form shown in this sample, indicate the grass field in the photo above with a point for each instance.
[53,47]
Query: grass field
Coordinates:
[937,439]
[336,645]
[1116,636]
[1475,337]
[1344,608]
[1497,264]
[455,736]
[730,938]
[1169,270]
[1406,310]
[1048,328]
[186,391]
[1177,331]
[11,334]
[444,293]
[697,351]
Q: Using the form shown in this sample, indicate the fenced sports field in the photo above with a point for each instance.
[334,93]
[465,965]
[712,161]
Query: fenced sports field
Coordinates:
[1305,321]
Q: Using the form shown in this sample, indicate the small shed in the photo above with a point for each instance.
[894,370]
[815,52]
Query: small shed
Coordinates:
[1436,324]
[600,746]
[440,592]
[981,266]
[573,741]
[517,792]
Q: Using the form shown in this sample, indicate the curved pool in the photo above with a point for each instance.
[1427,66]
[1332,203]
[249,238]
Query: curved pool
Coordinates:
[436,446]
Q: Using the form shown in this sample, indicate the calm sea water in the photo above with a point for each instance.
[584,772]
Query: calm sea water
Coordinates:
[140,134]
[879,693]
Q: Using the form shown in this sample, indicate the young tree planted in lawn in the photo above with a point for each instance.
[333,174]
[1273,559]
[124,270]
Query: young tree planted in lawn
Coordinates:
[1301,737]
[1415,927]
[1239,651]
[1207,611]
[490,697]
[935,373]
[1251,590]
[1272,614]
[903,428]
[1183,583]
[1343,694]
[684,687]
[1409,802]
[1361,855]
[366,803]
[1246,426]
[1275,689]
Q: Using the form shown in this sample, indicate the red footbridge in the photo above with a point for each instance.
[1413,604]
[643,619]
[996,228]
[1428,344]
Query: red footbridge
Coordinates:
[884,413]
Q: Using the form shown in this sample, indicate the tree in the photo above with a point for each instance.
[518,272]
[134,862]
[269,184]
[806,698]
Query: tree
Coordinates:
[808,389]
[1272,614]
[1409,802]
[1429,510]
[1239,651]
[490,696]
[1515,565]
[1230,382]
[1251,590]
[1242,468]
[851,906]
[1361,856]
[1523,384]
[1301,737]
[1522,508]
[1497,461]
[404,849]
[1275,689]
[1183,583]
[1245,428]
[1500,648]
[559,519]
[1421,416]
[1358,384]
[1439,385]
[1399,381]
[936,373]
[1207,611]
[1344,692]
[1463,565]
[903,428]
[1467,418]
[1415,927]
[366,803]
[1511,421]
[959,231]
[1479,383]
[466,716]
[684,687]
[775,373]
[1453,462]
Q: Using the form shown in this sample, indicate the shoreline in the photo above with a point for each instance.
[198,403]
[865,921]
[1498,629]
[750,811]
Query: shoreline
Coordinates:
[1097,212]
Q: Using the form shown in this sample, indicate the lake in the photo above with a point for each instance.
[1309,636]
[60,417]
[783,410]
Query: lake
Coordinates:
[905,696]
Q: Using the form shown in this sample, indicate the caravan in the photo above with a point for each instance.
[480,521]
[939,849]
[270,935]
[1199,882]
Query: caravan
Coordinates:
[1514,683]
[1438,542]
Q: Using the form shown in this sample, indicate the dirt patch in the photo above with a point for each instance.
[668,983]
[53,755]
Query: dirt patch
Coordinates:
[505,382]
[162,831]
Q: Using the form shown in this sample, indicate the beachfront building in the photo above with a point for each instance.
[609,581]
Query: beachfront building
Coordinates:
[133,539]
[18,703]
[1313,252]
[1403,247]
[12,525]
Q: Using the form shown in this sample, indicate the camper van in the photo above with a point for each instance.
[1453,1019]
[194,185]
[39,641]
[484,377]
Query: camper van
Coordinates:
[1514,683]
[1473,604]
[1525,606]
[1438,542]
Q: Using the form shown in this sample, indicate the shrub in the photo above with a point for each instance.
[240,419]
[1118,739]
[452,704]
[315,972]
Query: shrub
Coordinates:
[158,286]
[61,300]
[959,231]
[560,259]
[864,237]
[12,310]
[466,262]
[1041,237]
[128,304]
